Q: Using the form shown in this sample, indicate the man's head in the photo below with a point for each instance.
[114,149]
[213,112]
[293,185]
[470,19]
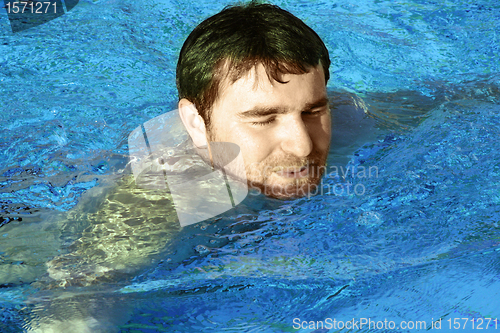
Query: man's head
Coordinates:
[255,75]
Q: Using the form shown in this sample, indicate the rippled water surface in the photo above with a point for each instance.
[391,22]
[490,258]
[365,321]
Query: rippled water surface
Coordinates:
[417,239]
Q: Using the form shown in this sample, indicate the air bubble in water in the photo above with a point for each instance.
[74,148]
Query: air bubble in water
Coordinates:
[369,219]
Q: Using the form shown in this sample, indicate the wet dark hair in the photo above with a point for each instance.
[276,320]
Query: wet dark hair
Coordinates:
[232,42]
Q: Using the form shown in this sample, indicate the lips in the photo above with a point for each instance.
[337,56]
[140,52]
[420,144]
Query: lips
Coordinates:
[294,172]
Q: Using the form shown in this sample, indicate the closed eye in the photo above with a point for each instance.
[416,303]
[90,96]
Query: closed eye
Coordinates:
[265,122]
[315,112]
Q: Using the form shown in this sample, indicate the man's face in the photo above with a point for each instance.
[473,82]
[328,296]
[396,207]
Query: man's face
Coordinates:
[282,129]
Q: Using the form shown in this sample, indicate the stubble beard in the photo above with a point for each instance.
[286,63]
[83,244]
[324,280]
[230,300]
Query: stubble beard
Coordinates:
[262,177]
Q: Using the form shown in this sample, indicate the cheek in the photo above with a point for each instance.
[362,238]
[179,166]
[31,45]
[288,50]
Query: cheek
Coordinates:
[327,125]
[321,133]
[256,146]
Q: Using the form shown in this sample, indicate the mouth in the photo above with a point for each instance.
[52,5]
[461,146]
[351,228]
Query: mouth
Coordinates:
[293,172]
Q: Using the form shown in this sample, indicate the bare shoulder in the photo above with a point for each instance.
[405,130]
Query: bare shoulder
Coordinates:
[129,225]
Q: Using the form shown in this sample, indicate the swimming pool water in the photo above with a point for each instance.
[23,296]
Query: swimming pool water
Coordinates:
[419,242]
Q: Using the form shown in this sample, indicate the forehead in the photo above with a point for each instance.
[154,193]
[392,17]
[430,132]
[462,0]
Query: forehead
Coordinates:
[256,88]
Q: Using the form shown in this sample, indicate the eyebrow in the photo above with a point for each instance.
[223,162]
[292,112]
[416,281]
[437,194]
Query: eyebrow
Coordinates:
[267,111]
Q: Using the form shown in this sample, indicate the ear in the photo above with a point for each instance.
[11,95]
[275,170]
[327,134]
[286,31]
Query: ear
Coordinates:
[193,123]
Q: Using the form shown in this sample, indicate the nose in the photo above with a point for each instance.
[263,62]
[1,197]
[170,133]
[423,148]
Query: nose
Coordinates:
[296,139]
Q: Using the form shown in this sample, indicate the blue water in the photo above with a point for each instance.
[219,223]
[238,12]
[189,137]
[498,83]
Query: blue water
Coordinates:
[421,241]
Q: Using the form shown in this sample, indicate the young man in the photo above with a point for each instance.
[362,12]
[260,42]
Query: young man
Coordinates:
[255,75]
